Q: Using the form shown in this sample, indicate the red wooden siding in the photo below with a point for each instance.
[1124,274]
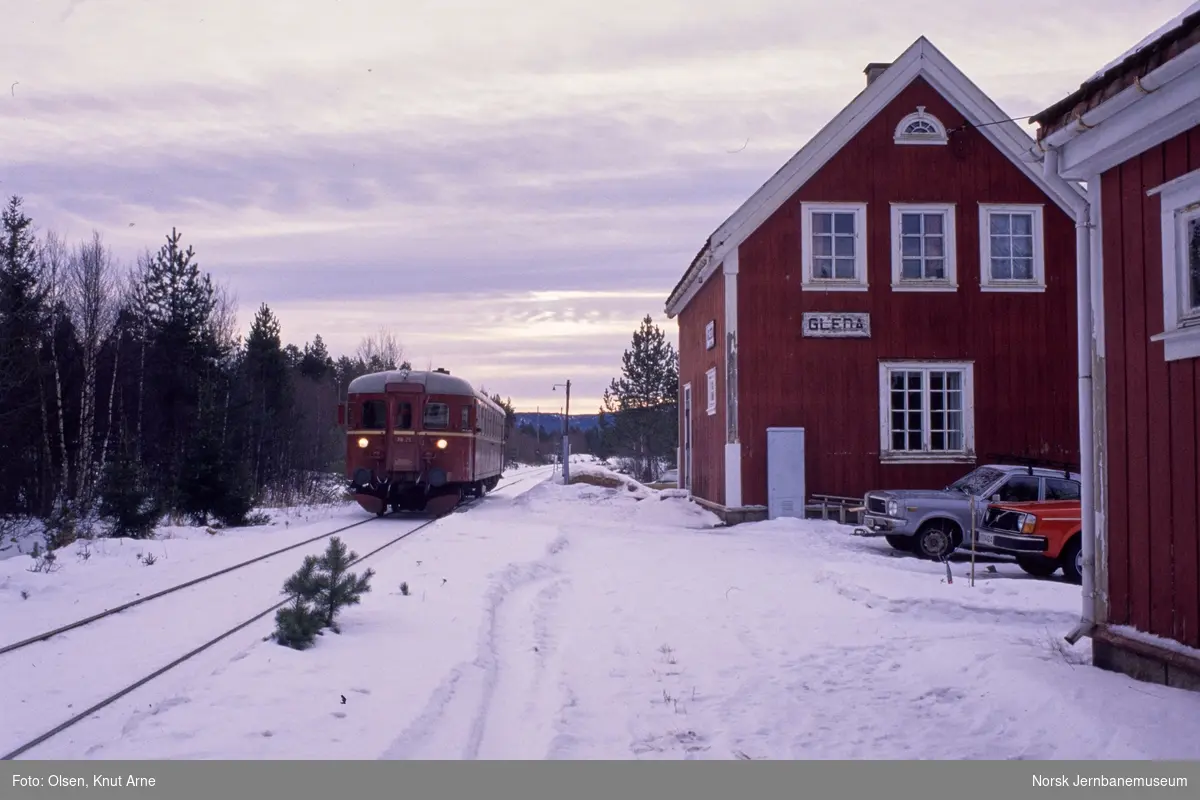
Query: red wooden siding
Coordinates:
[708,432]
[1153,415]
[1023,344]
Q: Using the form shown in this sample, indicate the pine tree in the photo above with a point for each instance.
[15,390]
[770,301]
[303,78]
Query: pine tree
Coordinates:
[644,400]
[24,322]
[339,588]
[124,498]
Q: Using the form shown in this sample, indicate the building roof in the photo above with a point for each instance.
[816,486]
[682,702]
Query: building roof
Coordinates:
[1181,33]
[434,382]
[921,59]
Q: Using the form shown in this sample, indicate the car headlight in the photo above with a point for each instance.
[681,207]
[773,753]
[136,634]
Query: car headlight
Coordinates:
[441,444]
[1027,523]
[363,442]
[893,508]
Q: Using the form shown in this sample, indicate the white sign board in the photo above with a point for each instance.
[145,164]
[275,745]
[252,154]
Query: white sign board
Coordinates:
[837,325]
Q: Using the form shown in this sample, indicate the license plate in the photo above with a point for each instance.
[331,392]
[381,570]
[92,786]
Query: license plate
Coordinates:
[985,539]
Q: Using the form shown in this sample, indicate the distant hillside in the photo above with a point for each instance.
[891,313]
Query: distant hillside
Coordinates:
[553,422]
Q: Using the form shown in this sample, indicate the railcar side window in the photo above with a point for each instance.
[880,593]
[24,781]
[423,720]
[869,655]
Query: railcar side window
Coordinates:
[466,418]
[374,415]
[404,416]
[437,416]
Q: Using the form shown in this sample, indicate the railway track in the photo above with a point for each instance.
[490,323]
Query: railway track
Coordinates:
[83,623]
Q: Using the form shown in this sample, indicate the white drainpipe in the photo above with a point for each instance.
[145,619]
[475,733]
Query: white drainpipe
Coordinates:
[1087,454]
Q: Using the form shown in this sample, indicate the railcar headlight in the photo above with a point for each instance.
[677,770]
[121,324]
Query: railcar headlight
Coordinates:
[363,441]
[441,444]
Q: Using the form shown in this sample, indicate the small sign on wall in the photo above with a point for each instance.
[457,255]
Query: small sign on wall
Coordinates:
[710,335]
[837,325]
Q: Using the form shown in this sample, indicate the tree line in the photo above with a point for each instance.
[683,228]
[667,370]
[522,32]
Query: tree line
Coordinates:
[127,393]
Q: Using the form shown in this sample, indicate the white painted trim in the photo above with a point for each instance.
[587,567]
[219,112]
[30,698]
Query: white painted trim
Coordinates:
[710,390]
[886,454]
[1132,121]
[949,248]
[689,434]
[1180,204]
[938,137]
[859,282]
[986,282]
[733,475]
[921,59]
[730,268]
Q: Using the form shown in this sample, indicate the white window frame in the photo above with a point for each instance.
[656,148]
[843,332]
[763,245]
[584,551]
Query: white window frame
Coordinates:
[926,456]
[1180,204]
[949,243]
[856,284]
[939,135]
[710,334]
[989,284]
[710,388]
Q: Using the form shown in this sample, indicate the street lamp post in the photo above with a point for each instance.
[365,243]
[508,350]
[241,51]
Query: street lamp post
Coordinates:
[566,447]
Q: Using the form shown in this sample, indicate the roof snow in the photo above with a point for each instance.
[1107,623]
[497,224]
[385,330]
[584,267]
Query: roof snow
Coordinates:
[1148,41]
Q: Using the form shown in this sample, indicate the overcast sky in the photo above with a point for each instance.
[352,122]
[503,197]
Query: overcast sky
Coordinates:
[510,186]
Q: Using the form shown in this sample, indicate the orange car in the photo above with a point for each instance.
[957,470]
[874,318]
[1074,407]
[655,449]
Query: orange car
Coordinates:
[1044,536]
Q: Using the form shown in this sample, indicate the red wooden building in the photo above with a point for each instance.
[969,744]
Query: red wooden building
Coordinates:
[903,289]
[1132,133]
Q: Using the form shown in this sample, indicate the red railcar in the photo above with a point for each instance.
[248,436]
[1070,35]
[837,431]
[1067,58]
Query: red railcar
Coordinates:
[420,441]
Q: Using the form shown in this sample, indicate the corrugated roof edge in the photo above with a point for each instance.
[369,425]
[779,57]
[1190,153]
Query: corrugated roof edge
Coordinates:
[1145,57]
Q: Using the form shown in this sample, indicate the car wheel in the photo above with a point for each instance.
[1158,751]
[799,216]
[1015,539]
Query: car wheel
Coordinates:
[1037,566]
[1072,560]
[901,543]
[936,540]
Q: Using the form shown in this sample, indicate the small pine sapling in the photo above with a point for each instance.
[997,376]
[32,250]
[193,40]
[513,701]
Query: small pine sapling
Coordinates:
[339,588]
[297,625]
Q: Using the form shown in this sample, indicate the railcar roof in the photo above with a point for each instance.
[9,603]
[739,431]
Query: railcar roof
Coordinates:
[434,383]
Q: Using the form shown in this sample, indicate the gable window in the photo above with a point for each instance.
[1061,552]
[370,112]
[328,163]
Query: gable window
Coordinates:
[833,246]
[711,388]
[920,127]
[1011,257]
[1180,223]
[923,248]
[926,411]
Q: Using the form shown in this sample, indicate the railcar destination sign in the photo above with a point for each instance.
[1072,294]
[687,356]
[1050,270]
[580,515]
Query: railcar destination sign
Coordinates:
[837,325]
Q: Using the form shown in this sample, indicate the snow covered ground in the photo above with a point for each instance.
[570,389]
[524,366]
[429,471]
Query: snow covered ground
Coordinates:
[590,622]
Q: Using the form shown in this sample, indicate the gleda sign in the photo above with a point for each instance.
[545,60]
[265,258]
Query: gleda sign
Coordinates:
[837,325]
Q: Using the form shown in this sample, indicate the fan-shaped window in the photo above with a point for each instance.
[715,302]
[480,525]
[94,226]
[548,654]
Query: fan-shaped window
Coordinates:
[920,127]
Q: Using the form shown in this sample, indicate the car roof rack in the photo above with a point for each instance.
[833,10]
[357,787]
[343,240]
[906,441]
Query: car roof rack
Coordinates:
[1030,462]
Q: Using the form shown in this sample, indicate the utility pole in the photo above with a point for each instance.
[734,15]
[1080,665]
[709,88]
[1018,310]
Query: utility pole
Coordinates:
[566,447]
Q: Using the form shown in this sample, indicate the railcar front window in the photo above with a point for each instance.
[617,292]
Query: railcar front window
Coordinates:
[404,421]
[437,416]
[374,415]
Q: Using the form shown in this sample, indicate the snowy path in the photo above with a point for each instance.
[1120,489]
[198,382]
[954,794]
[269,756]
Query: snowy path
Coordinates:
[575,622]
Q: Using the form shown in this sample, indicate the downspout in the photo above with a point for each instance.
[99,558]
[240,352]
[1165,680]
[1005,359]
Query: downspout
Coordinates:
[1084,335]
[1087,456]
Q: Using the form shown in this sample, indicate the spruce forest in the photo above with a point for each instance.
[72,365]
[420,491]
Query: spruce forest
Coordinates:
[127,392]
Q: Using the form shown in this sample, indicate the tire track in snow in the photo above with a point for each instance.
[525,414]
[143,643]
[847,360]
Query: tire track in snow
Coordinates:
[516,578]
[468,690]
